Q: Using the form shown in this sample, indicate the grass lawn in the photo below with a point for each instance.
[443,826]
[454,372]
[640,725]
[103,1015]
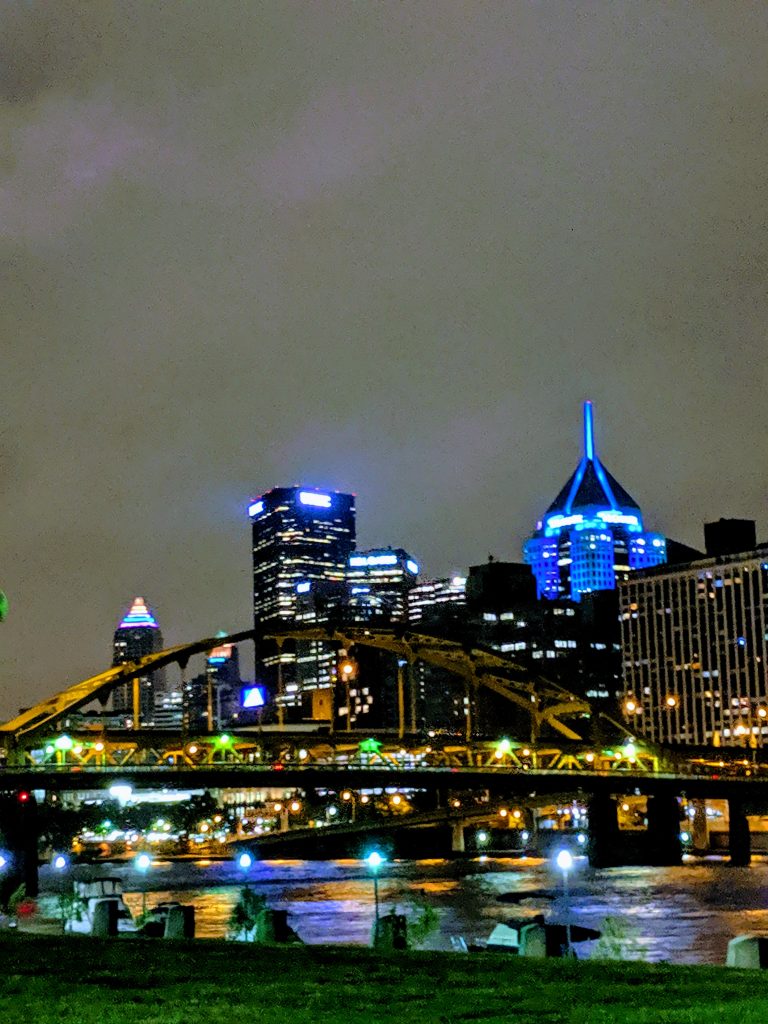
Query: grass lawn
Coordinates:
[80,980]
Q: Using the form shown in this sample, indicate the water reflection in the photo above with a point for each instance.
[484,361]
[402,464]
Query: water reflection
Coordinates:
[685,914]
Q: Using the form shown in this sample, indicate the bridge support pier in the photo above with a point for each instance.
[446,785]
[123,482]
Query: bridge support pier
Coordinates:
[457,837]
[603,836]
[18,818]
[739,842]
[699,826]
[664,846]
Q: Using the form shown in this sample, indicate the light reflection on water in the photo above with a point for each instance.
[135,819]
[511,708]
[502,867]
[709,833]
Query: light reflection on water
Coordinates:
[685,914]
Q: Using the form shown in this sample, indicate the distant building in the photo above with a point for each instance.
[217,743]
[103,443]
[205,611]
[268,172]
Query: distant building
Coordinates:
[592,534]
[573,643]
[695,650]
[378,584]
[301,537]
[730,536]
[137,636]
[437,600]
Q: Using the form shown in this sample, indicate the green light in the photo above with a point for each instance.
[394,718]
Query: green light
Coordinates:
[370,746]
[50,748]
[504,746]
[630,749]
[63,743]
[608,753]
[3,606]
[224,739]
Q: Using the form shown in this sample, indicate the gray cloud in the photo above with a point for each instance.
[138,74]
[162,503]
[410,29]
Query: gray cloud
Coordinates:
[381,247]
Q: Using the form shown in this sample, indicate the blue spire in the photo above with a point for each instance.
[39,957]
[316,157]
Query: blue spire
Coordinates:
[589,432]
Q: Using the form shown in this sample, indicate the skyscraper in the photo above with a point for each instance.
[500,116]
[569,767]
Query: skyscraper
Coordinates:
[592,534]
[300,536]
[137,635]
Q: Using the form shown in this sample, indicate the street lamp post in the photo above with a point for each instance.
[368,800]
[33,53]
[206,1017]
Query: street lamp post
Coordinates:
[143,863]
[565,863]
[374,861]
[245,862]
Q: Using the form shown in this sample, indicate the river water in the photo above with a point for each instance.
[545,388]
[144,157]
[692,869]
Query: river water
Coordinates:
[685,914]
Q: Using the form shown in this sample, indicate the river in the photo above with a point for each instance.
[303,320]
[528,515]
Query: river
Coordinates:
[684,915]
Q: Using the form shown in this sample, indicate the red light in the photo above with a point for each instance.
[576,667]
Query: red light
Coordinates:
[23,796]
[277,767]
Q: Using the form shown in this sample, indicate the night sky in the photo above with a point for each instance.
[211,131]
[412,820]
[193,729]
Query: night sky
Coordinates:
[381,247]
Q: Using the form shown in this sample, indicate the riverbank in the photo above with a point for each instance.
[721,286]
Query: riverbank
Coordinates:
[50,980]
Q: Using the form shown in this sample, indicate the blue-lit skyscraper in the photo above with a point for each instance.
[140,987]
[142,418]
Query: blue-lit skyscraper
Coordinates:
[592,534]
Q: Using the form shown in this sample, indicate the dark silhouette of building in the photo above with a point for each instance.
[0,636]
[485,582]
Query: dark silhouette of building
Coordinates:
[730,537]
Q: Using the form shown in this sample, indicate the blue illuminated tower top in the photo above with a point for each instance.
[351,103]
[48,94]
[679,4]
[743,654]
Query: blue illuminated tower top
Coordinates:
[592,534]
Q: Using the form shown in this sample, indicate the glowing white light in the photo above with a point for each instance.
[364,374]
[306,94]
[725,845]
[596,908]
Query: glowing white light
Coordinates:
[361,560]
[255,509]
[121,791]
[253,697]
[374,859]
[303,588]
[557,522]
[618,517]
[412,566]
[564,860]
[244,861]
[317,500]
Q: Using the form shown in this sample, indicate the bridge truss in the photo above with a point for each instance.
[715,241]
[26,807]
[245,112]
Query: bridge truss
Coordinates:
[545,703]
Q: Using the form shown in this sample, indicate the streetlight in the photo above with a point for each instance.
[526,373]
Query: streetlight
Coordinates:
[245,862]
[564,861]
[142,864]
[59,862]
[374,861]
[4,861]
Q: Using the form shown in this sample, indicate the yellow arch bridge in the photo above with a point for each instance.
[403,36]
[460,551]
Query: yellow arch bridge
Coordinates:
[550,709]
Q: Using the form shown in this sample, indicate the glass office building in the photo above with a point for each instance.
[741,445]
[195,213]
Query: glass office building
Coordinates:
[301,537]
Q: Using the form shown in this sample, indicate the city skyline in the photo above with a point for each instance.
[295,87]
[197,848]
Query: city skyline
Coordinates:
[373,249]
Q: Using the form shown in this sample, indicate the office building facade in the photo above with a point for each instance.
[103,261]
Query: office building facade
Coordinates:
[437,600]
[302,537]
[592,535]
[695,651]
[378,584]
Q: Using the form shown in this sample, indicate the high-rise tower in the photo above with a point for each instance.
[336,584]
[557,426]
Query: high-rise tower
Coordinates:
[137,635]
[592,534]
[301,537]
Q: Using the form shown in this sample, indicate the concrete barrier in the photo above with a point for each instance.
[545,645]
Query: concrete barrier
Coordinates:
[392,932]
[748,951]
[533,940]
[105,918]
[180,923]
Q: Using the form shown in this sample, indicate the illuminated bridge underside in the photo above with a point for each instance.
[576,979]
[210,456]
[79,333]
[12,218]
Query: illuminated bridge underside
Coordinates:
[544,701]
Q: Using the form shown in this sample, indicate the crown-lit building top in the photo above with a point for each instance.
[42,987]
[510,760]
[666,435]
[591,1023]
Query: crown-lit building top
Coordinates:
[138,615]
[592,534]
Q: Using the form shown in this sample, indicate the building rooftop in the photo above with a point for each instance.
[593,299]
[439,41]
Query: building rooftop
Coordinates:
[590,485]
